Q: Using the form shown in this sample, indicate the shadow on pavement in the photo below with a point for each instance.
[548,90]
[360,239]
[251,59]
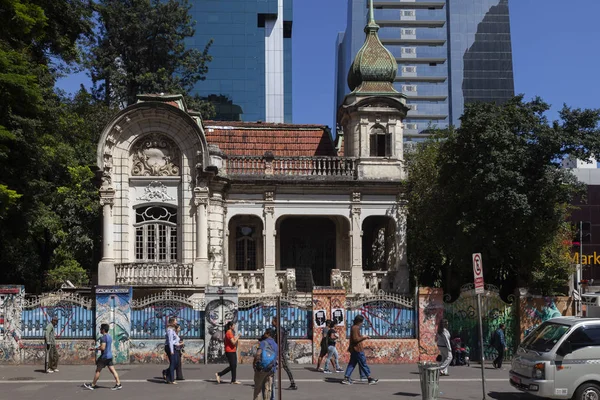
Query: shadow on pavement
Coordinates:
[509,396]
[41,371]
[407,394]
[333,380]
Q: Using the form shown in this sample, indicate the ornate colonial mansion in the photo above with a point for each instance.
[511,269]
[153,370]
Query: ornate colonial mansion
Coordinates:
[263,207]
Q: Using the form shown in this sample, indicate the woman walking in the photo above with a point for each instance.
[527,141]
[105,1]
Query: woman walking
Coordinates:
[443,343]
[179,350]
[171,341]
[231,342]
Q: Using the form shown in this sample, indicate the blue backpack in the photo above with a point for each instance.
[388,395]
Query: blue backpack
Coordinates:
[267,357]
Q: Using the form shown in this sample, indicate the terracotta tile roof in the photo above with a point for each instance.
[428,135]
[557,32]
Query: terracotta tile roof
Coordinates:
[255,138]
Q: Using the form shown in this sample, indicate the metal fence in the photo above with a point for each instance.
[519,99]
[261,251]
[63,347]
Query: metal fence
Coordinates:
[256,314]
[387,316]
[149,316]
[75,315]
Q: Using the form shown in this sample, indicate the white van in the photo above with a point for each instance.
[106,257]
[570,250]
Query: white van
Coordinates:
[560,359]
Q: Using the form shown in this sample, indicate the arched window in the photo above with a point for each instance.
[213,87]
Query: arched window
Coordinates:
[381,142]
[245,248]
[156,234]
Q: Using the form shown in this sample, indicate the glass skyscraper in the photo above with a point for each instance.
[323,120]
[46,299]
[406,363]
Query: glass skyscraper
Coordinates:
[449,52]
[250,76]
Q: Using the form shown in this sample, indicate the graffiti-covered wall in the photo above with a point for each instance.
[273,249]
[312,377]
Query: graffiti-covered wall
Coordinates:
[431,311]
[70,351]
[113,307]
[11,306]
[152,351]
[533,310]
[221,308]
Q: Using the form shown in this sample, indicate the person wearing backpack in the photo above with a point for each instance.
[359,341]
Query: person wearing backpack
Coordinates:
[498,341]
[265,363]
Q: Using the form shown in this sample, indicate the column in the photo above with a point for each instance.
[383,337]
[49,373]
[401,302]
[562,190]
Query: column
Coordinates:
[357,284]
[269,240]
[106,268]
[201,267]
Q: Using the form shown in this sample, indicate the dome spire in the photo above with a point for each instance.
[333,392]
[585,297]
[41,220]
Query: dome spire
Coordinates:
[374,68]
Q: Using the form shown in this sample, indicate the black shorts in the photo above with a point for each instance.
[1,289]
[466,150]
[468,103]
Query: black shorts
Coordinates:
[323,352]
[104,362]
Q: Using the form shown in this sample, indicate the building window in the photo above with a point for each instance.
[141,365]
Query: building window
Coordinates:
[245,248]
[413,107]
[409,70]
[408,13]
[408,32]
[381,142]
[156,234]
[411,126]
[409,50]
[409,88]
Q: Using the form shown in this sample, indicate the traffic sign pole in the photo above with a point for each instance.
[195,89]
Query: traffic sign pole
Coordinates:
[479,289]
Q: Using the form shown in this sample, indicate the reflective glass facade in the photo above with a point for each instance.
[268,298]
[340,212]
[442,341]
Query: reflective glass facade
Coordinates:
[241,75]
[448,51]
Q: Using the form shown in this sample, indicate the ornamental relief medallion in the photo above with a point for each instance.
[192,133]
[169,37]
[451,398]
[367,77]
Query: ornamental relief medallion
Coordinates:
[155,155]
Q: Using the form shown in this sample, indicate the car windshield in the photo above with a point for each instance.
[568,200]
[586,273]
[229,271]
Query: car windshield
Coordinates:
[545,337]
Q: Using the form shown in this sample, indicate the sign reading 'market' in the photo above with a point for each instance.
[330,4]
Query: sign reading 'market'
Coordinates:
[478,273]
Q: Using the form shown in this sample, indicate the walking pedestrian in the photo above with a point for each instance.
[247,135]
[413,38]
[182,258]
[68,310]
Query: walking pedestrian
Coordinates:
[443,343]
[324,345]
[171,340]
[499,343]
[332,338]
[179,350]
[231,342]
[50,342]
[284,347]
[265,364]
[357,354]
[105,360]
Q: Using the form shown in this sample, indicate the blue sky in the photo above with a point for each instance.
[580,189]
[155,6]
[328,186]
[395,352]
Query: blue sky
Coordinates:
[556,54]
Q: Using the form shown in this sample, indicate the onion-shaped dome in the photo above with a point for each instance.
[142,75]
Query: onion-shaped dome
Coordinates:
[374,68]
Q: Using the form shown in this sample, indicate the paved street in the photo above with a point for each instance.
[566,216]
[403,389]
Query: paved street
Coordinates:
[144,382]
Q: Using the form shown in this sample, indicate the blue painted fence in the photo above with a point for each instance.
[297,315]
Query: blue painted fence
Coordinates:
[253,321]
[151,322]
[384,320]
[74,321]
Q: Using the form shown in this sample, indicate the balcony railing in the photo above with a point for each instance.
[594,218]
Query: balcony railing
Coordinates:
[247,282]
[292,166]
[153,274]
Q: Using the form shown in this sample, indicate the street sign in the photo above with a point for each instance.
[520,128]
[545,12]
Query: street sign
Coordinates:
[478,273]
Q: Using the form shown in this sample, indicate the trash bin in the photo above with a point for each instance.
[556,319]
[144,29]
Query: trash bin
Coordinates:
[429,374]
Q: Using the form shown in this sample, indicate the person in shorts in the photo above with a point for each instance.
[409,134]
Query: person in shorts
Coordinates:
[105,360]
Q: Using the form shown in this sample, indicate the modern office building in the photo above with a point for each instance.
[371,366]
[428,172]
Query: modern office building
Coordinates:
[250,76]
[449,52]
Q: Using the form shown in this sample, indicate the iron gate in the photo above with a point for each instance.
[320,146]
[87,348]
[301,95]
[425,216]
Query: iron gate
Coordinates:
[463,321]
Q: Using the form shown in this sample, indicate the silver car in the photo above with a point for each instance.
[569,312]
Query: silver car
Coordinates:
[560,359]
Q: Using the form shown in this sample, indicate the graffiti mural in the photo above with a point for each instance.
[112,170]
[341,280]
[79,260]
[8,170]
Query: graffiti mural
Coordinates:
[153,352]
[464,324]
[543,314]
[73,352]
[431,310]
[221,308]
[11,306]
[536,309]
[113,307]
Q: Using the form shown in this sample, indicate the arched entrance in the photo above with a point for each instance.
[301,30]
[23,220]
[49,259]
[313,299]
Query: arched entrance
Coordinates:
[308,244]
[378,250]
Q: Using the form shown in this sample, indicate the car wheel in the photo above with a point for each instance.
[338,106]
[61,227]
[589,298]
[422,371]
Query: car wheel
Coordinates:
[587,391]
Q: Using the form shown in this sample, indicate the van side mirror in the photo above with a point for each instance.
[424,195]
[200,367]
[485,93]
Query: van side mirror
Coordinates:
[565,349]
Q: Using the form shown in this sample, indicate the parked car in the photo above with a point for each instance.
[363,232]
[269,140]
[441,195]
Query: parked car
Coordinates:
[560,359]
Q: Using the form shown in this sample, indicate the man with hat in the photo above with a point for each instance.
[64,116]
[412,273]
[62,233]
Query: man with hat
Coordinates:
[50,341]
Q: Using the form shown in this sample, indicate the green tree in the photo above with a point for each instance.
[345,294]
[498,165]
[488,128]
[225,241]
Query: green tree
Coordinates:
[495,186]
[140,49]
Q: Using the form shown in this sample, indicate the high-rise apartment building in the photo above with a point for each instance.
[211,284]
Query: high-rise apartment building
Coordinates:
[449,52]
[250,76]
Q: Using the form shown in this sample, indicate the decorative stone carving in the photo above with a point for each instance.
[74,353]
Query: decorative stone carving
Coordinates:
[269,210]
[155,191]
[290,280]
[356,196]
[336,278]
[200,196]
[155,155]
[107,197]
[269,196]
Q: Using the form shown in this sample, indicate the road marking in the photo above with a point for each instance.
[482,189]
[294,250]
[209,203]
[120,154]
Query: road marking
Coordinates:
[331,380]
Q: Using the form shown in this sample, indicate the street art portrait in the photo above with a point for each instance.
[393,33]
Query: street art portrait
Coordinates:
[114,308]
[542,314]
[218,313]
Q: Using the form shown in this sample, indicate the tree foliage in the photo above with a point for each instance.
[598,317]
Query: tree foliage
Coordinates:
[495,186]
[140,49]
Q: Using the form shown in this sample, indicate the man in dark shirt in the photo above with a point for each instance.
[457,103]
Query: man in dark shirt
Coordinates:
[283,347]
[500,345]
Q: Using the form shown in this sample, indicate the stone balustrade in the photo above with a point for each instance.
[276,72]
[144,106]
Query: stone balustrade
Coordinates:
[247,282]
[375,281]
[340,167]
[153,274]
